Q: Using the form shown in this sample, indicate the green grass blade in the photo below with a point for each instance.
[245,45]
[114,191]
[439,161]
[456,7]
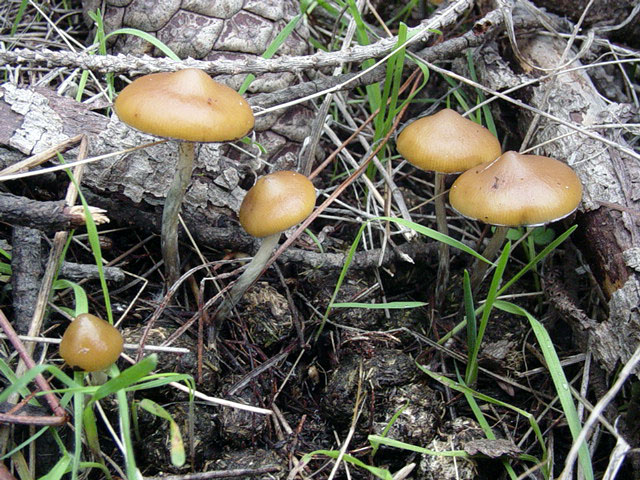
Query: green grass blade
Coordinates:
[543,253]
[559,379]
[81,302]
[382,473]
[472,365]
[94,242]
[485,398]
[19,15]
[126,378]
[470,313]
[377,440]
[178,456]
[380,306]
[272,49]
[59,469]
[145,36]
[435,235]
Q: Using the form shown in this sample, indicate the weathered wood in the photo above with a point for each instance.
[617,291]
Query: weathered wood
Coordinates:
[608,220]
[46,216]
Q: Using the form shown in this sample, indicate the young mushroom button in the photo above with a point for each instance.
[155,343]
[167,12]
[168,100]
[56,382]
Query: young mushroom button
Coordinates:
[90,343]
[276,202]
[185,105]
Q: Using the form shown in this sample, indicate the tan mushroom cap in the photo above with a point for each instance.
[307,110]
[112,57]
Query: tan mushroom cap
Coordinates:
[276,202]
[185,105]
[517,190]
[90,343]
[446,142]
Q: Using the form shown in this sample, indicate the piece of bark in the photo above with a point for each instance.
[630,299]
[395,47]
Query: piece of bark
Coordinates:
[80,271]
[610,179]
[48,216]
[26,273]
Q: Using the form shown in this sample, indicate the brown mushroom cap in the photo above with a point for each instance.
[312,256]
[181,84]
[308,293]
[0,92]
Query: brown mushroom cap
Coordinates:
[446,142]
[277,202]
[90,343]
[517,190]
[185,105]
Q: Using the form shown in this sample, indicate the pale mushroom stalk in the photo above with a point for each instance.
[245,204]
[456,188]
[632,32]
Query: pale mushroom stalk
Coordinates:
[442,278]
[170,214]
[251,273]
[186,105]
[276,202]
[491,250]
[445,142]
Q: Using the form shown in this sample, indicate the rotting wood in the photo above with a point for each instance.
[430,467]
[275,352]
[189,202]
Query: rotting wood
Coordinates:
[47,216]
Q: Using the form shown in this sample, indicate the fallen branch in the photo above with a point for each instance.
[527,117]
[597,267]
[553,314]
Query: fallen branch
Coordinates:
[143,65]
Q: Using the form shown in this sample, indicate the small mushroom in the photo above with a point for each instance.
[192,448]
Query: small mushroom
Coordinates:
[516,190]
[90,343]
[185,105]
[276,202]
[446,142]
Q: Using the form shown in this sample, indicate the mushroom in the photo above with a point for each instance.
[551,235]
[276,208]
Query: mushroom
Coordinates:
[277,202]
[185,105]
[446,142]
[90,343]
[515,190]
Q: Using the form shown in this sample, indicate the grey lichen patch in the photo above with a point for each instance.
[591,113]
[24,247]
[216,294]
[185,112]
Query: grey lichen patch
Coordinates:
[228,179]
[217,8]
[247,33]
[632,258]
[190,35]
[271,9]
[41,127]
[138,14]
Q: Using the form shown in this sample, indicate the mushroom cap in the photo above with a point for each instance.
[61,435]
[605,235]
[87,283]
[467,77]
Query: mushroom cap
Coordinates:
[90,343]
[517,190]
[446,142]
[185,105]
[277,202]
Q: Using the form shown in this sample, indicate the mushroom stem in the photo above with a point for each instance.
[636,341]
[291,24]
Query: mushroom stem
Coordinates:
[249,276]
[441,224]
[169,232]
[480,268]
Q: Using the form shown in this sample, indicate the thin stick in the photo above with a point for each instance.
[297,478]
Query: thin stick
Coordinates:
[599,407]
[25,357]
[126,346]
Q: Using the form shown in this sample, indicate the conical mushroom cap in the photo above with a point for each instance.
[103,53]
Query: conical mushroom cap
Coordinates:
[517,190]
[276,202]
[185,105]
[446,142]
[90,343]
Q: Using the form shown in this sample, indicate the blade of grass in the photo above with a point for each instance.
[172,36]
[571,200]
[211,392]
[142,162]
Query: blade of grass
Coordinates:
[382,473]
[472,327]
[177,446]
[19,15]
[380,306]
[472,364]
[559,379]
[94,242]
[273,48]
